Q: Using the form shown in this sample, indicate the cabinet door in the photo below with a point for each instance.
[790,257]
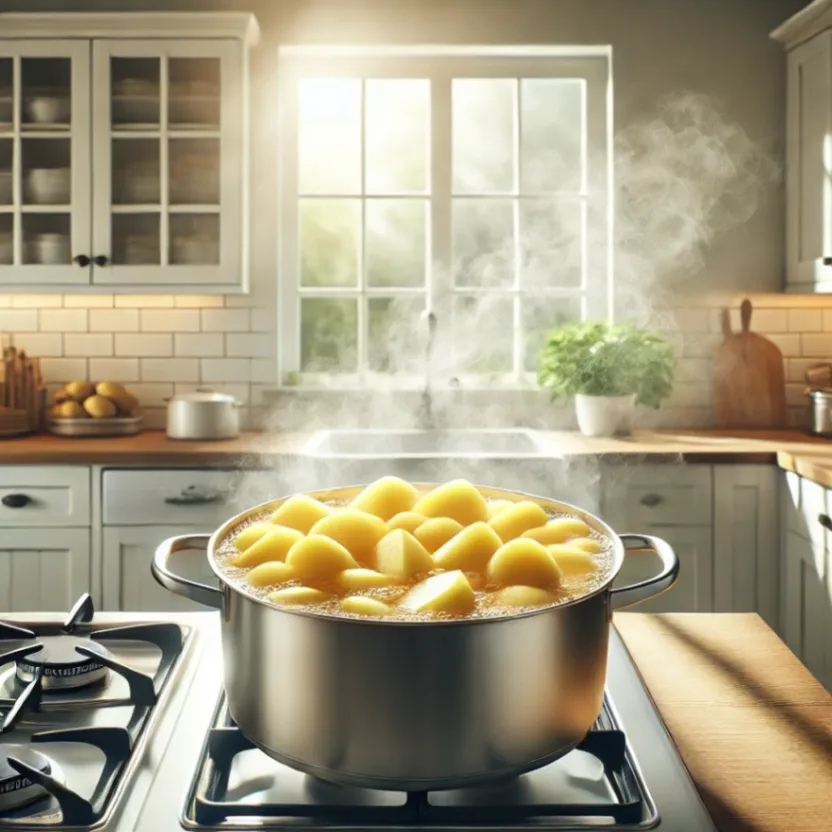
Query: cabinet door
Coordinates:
[43,570]
[169,162]
[44,162]
[807,606]
[127,582]
[693,592]
[746,557]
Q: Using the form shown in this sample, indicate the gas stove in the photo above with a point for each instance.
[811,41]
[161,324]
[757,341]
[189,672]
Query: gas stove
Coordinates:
[118,721]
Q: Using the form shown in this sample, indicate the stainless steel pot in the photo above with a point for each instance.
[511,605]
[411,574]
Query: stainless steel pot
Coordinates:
[203,414]
[821,411]
[415,705]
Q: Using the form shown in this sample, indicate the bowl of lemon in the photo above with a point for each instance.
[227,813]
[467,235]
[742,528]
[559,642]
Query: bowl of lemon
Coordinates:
[86,408]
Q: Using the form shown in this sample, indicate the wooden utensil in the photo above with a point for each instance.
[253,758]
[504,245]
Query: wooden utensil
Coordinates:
[749,382]
[21,393]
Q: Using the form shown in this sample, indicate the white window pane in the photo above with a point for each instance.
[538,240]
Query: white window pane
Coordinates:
[551,133]
[551,243]
[329,135]
[484,115]
[395,343]
[329,241]
[541,315]
[396,135]
[483,334]
[483,242]
[329,335]
[395,239]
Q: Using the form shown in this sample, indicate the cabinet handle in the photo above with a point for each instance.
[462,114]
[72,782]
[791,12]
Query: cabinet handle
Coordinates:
[650,500]
[101,260]
[81,260]
[16,500]
[827,261]
[191,496]
[826,521]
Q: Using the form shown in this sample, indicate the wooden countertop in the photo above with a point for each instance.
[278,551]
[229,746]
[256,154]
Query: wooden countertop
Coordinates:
[752,725]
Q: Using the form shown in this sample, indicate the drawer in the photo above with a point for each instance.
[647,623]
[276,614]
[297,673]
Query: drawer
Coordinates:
[44,495]
[666,495]
[175,496]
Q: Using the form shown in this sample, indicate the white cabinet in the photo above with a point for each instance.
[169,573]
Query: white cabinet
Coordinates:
[746,544]
[43,569]
[124,152]
[127,581]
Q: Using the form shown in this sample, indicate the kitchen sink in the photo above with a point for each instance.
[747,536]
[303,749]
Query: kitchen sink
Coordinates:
[484,443]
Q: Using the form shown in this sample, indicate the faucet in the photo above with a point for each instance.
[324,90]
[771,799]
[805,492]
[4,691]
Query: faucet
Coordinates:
[427,397]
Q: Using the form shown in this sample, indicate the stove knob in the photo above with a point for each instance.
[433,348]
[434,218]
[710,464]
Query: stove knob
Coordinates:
[15,500]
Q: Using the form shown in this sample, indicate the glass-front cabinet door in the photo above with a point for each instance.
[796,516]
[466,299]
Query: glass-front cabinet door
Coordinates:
[45,183]
[168,171]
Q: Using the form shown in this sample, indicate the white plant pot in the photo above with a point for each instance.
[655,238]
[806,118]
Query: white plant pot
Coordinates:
[604,415]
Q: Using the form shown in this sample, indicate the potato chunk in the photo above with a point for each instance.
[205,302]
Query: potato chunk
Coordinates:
[524,562]
[274,545]
[400,554]
[269,574]
[470,550]
[300,512]
[457,499]
[297,595]
[251,534]
[317,558]
[521,596]
[558,531]
[575,563]
[361,605]
[407,520]
[353,580]
[587,544]
[519,518]
[436,532]
[357,531]
[497,506]
[445,592]
[387,497]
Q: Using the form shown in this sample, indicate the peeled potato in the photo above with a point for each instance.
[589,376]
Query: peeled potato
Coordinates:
[317,558]
[387,497]
[352,580]
[273,545]
[79,390]
[470,550]
[400,554]
[70,410]
[407,520]
[445,592]
[587,544]
[361,605]
[457,499]
[251,534]
[497,506]
[436,532]
[522,596]
[300,512]
[524,562]
[99,408]
[269,574]
[521,517]
[357,531]
[298,595]
[558,531]
[110,389]
[572,562]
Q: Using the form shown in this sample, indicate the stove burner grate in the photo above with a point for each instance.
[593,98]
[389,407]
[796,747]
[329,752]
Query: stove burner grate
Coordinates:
[17,789]
[63,665]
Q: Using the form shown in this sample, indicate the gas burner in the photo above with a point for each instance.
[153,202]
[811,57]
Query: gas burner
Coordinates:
[63,666]
[16,789]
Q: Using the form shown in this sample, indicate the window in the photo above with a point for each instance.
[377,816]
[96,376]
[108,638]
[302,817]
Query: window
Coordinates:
[473,183]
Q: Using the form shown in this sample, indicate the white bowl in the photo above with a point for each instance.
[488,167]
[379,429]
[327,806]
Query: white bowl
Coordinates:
[47,110]
[50,250]
[48,186]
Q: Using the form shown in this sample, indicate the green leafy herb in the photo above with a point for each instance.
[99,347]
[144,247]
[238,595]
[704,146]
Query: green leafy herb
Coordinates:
[598,359]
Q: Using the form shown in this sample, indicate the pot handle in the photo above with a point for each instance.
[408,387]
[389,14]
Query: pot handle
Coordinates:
[626,596]
[201,593]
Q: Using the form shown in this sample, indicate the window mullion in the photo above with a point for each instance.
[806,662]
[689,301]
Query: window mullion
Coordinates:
[362,312]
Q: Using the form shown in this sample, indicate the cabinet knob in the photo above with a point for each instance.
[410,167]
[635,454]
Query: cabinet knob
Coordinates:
[101,260]
[650,500]
[15,500]
[826,521]
[827,261]
[81,260]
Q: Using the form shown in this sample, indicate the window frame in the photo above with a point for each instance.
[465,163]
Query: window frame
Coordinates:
[440,65]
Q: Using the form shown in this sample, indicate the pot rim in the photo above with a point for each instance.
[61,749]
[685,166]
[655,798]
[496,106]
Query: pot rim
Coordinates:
[594,522]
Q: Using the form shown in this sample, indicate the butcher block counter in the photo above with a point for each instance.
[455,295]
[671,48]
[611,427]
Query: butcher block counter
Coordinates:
[753,726]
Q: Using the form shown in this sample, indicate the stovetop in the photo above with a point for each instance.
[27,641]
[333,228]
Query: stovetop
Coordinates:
[189,766]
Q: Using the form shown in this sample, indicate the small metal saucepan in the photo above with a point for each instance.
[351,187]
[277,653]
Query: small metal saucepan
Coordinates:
[415,705]
[820,404]
[203,414]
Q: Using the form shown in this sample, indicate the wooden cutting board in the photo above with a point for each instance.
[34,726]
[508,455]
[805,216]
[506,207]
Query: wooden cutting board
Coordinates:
[749,382]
